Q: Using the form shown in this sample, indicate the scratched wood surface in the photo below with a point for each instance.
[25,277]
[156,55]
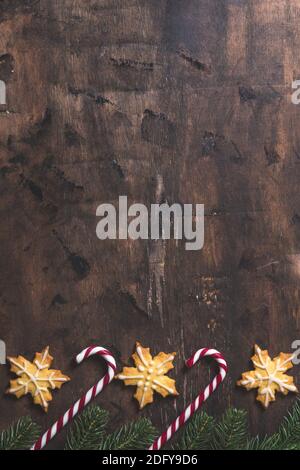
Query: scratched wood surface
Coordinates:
[179,101]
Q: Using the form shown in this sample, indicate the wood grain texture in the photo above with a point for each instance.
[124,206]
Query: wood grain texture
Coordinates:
[179,101]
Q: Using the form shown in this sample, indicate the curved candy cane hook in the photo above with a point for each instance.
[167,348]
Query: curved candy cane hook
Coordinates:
[85,399]
[201,398]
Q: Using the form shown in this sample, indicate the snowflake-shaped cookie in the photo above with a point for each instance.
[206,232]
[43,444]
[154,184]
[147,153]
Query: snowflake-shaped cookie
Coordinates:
[149,375]
[269,376]
[36,378]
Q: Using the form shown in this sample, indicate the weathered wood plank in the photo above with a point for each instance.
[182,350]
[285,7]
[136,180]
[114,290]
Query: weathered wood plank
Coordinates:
[164,100]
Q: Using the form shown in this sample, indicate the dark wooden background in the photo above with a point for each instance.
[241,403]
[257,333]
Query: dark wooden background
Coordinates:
[183,101]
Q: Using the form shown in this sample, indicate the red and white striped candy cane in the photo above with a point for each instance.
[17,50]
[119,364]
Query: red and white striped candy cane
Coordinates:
[85,399]
[201,398]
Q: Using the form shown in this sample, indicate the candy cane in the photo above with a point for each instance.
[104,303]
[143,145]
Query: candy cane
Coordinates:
[85,399]
[201,398]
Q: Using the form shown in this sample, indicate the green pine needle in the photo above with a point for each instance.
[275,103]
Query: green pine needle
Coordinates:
[257,443]
[231,432]
[197,434]
[134,436]
[201,433]
[288,435]
[87,430]
[20,435]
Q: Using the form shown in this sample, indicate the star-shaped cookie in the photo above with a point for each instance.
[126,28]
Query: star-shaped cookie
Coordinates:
[149,375]
[36,378]
[268,376]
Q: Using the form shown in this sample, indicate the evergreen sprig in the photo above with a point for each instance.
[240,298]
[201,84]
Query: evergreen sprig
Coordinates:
[258,443]
[288,435]
[134,436]
[197,434]
[231,432]
[88,433]
[20,435]
[88,429]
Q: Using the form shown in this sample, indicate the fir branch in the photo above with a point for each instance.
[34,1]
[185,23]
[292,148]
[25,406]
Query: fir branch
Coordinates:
[134,436]
[87,430]
[20,435]
[288,435]
[231,432]
[201,433]
[292,446]
[197,434]
[257,443]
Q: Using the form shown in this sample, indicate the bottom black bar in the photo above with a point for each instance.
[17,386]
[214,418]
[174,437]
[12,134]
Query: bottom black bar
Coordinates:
[136,459]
